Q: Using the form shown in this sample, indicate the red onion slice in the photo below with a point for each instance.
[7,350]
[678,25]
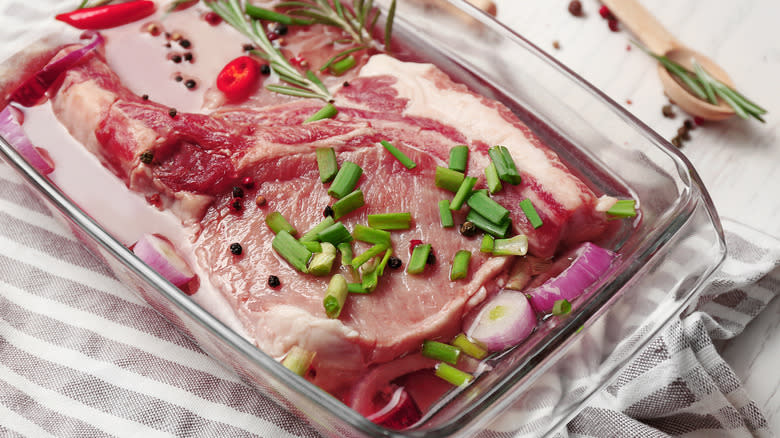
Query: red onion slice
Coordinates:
[503,321]
[158,253]
[12,131]
[32,91]
[588,263]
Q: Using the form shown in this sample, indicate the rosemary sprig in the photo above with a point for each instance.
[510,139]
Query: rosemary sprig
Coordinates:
[707,87]
[300,85]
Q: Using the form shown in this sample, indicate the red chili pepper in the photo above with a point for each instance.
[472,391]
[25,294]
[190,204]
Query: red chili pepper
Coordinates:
[239,77]
[107,16]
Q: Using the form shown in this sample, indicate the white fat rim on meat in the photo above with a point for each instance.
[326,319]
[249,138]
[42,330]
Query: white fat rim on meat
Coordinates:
[467,113]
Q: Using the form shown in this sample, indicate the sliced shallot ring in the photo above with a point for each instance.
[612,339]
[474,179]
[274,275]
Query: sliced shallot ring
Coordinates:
[504,321]
[12,131]
[589,263]
[161,256]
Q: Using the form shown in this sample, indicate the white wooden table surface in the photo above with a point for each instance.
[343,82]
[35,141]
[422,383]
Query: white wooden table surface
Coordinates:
[739,161]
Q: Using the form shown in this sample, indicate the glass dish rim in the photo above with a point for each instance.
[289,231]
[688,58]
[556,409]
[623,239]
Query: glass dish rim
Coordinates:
[304,388]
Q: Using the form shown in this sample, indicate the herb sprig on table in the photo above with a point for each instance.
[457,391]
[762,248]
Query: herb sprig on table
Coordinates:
[708,88]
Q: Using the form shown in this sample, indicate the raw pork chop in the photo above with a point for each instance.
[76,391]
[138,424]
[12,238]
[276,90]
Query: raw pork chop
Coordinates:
[198,158]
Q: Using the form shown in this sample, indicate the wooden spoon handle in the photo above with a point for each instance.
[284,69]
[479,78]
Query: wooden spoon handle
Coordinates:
[643,24]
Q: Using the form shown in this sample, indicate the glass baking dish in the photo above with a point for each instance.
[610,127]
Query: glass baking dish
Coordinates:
[664,256]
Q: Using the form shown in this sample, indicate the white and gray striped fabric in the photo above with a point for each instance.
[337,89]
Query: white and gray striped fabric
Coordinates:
[81,355]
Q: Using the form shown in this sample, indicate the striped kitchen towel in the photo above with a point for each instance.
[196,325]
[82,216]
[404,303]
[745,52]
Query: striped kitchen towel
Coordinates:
[80,355]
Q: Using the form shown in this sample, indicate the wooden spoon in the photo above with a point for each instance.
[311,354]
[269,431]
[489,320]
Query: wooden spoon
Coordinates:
[656,38]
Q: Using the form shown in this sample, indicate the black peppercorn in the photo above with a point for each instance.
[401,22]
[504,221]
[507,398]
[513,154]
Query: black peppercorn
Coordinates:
[345,84]
[176,58]
[238,192]
[236,249]
[265,69]
[327,211]
[145,97]
[273,281]
[431,258]
[279,28]
[190,84]
[468,229]
[394,262]
[248,47]
[682,132]
[178,78]
[236,204]
[172,112]
[185,43]
[188,56]
[688,123]
[147,157]
[667,111]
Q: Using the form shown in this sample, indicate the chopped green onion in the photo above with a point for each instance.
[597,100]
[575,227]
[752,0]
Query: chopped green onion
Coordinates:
[488,242]
[291,250]
[390,221]
[370,279]
[276,222]
[445,214]
[348,204]
[419,259]
[464,191]
[326,163]
[343,65]
[441,351]
[298,360]
[400,156]
[496,230]
[356,288]
[368,255]
[335,234]
[448,179]
[312,245]
[381,268]
[516,245]
[460,265]
[493,181]
[345,248]
[346,180]
[326,112]
[505,165]
[561,307]
[473,349]
[269,15]
[623,208]
[452,374]
[335,296]
[313,234]
[530,213]
[459,157]
[487,208]
[371,235]
[322,262]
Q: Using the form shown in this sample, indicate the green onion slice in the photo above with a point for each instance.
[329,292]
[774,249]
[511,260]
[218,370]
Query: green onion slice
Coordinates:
[505,165]
[448,179]
[357,288]
[345,248]
[445,214]
[530,212]
[459,157]
[419,259]
[453,375]
[561,307]
[369,254]
[460,265]
[335,234]
[390,221]
[371,235]
[346,180]
[326,163]
[348,204]
[322,262]
[276,222]
[516,245]
[291,250]
[441,351]
[623,208]
[492,179]
[472,348]
[343,65]
[335,296]
[496,230]
[400,156]
[487,208]
[326,112]
[488,242]
[298,360]
[313,234]
[464,192]
[312,245]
